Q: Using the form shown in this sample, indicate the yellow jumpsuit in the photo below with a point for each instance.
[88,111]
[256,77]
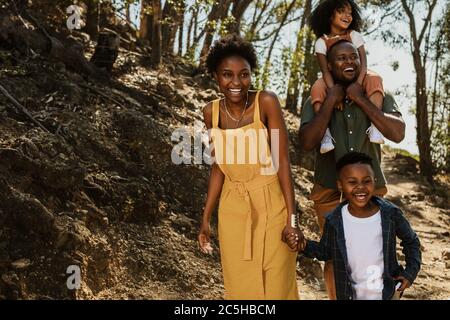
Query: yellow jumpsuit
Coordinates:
[256,264]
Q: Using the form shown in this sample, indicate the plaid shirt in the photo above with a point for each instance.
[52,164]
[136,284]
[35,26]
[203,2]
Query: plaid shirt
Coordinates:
[393,224]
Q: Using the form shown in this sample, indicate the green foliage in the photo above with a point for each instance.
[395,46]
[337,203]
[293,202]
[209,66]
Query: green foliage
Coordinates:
[225,25]
[262,78]
[190,54]
[395,65]
[441,95]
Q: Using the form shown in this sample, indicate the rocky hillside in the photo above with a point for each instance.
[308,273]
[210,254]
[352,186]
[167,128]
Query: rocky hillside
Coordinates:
[88,180]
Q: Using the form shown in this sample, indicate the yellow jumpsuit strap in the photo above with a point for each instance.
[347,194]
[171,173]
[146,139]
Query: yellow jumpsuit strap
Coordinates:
[215,113]
[256,116]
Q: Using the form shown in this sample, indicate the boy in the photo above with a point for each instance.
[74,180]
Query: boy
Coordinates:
[360,237]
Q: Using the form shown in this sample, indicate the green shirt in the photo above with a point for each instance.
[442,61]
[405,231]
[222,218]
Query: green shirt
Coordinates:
[348,128]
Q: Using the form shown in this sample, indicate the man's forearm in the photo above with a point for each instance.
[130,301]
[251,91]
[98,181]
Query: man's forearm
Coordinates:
[312,133]
[392,127]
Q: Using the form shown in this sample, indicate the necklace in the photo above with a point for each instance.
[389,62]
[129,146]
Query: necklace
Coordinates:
[242,114]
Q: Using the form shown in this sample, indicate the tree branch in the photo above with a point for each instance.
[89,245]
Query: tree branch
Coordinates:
[427,20]
[21,108]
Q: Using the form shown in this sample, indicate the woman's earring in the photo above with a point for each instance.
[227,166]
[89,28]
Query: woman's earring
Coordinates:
[340,200]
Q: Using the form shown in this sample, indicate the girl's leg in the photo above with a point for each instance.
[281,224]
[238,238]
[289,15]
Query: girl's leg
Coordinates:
[318,94]
[373,86]
[326,144]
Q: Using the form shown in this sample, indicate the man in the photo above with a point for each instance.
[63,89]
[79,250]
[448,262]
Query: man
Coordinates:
[348,127]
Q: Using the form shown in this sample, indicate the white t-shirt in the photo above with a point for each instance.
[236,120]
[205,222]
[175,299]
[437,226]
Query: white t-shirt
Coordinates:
[364,243]
[357,40]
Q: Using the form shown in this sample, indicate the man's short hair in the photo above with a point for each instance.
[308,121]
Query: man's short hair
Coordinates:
[353,158]
[334,45]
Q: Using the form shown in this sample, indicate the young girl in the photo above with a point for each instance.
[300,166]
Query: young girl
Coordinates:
[331,21]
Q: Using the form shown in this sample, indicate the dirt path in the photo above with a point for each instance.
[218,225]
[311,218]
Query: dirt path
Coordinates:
[432,225]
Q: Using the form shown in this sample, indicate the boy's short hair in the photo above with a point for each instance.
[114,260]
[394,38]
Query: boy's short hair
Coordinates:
[353,158]
[230,45]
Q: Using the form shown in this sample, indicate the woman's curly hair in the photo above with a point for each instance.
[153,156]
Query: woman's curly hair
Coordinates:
[230,45]
[321,16]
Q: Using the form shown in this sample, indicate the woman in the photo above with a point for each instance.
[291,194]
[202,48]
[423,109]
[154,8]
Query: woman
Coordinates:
[257,206]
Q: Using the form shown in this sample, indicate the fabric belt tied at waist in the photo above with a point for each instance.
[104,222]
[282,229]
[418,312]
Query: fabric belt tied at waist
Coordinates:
[242,189]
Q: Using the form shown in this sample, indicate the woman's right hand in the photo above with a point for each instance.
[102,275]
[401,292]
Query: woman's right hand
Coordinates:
[204,238]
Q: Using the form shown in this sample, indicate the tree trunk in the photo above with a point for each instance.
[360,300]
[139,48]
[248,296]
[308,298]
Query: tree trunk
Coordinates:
[107,16]
[107,50]
[295,79]
[156,33]
[311,67]
[272,45]
[257,19]
[189,32]
[181,32]
[218,10]
[168,26]
[127,12]
[92,18]
[146,24]
[238,10]
[423,131]
[447,161]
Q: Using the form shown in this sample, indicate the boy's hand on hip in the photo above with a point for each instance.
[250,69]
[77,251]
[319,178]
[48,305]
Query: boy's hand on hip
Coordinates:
[405,283]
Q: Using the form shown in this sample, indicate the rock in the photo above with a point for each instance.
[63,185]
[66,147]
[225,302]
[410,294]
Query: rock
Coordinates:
[182,223]
[179,84]
[446,254]
[21,263]
[10,278]
[165,89]
[405,164]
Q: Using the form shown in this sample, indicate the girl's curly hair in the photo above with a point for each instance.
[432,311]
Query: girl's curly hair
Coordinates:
[230,45]
[321,16]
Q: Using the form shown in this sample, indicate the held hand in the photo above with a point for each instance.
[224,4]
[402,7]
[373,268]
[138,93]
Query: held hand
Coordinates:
[355,91]
[405,283]
[336,93]
[204,238]
[296,242]
[293,237]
